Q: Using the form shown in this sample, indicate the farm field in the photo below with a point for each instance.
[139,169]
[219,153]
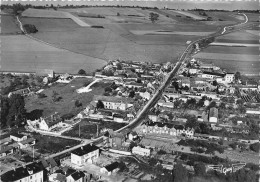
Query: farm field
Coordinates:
[225,44]
[192,15]
[20,53]
[221,56]
[68,95]
[244,67]
[36,13]
[232,50]
[163,32]
[241,35]
[8,25]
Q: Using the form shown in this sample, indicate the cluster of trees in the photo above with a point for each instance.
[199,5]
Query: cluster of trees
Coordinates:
[153,17]
[13,112]
[29,28]
[201,146]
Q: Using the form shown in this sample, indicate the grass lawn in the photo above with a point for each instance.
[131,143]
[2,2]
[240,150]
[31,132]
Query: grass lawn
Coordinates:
[69,95]
[88,129]
[49,144]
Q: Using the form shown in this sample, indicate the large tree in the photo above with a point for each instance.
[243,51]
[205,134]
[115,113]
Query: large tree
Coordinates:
[4,110]
[153,17]
[17,113]
[200,169]
[180,173]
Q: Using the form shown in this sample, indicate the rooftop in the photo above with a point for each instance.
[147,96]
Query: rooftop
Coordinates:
[85,149]
[112,166]
[112,99]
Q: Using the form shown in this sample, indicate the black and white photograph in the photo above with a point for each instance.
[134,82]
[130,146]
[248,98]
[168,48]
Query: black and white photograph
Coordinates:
[129,91]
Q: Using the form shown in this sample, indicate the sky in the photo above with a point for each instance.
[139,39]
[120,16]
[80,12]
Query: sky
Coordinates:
[176,4]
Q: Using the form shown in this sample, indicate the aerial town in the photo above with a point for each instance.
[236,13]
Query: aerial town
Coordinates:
[129,121]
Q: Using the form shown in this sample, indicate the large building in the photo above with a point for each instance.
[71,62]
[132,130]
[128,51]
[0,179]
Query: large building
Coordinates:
[85,154]
[30,173]
[115,103]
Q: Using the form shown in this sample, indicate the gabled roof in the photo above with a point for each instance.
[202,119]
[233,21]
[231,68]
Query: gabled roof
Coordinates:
[85,149]
[17,135]
[112,166]
[113,99]
[77,175]
[27,141]
[21,172]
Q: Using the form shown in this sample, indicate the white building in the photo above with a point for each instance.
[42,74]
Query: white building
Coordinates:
[87,153]
[115,103]
[213,115]
[141,151]
[18,137]
[229,77]
[30,173]
[110,169]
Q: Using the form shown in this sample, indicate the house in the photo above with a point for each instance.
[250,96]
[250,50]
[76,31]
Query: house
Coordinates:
[164,104]
[110,169]
[229,77]
[5,141]
[77,176]
[193,71]
[211,75]
[153,117]
[50,122]
[133,85]
[115,103]
[213,115]
[27,143]
[87,153]
[132,136]
[57,177]
[18,137]
[28,173]
[253,111]
[23,92]
[49,164]
[141,151]
[115,139]
[6,150]
[145,95]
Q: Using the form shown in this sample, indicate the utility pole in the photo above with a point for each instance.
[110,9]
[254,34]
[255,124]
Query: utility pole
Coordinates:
[79,129]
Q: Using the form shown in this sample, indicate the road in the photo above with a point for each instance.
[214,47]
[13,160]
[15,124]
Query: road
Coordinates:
[138,119]
[225,28]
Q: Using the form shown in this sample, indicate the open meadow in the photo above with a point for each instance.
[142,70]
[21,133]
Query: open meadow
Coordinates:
[20,53]
[68,95]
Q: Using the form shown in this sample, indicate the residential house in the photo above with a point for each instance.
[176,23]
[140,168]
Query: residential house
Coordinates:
[87,153]
[115,103]
[110,169]
[23,92]
[133,85]
[211,75]
[253,111]
[49,164]
[163,104]
[27,143]
[45,72]
[115,139]
[132,136]
[18,137]
[49,122]
[213,115]
[145,95]
[153,117]
[165,129]
[6,150]
[229,77]
[28,173]
[77,176]
[141,151]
